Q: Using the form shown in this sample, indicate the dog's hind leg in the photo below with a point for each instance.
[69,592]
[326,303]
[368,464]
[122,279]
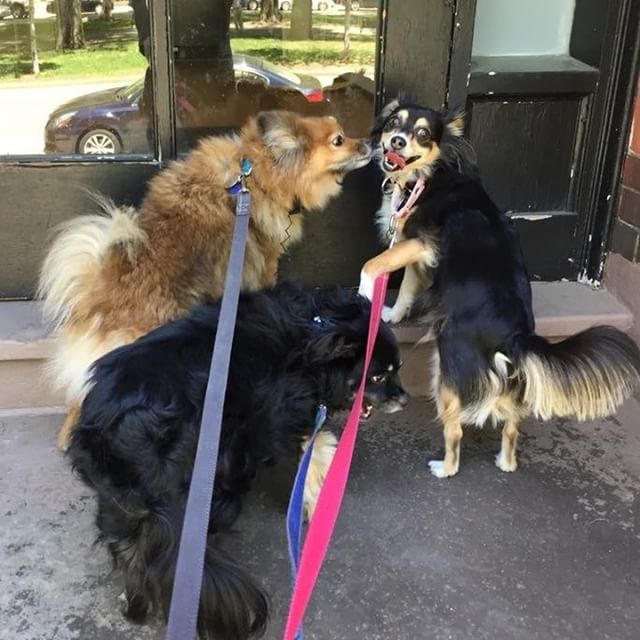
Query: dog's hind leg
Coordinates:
[506,460]
[449,411]
[69,424]
[324,449]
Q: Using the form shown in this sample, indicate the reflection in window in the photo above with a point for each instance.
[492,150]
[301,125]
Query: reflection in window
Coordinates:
[234,58]
[72,77]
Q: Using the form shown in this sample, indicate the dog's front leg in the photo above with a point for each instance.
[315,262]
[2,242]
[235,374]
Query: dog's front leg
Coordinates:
[408,290]
[402,254]
[324,449]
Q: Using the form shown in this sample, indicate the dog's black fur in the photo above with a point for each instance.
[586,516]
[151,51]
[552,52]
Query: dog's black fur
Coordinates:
[481,292]
[137,434]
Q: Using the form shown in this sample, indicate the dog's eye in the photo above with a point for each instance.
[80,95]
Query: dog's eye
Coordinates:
[393,123]
[338,141]
[379,379]
[422,134]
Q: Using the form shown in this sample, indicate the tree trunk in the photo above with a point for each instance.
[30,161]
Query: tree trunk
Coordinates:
[71,33]
[33,43]
[269,11]
[347,27]
[301,20]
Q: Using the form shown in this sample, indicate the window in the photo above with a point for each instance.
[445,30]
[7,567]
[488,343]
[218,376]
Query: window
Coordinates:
[235,58]
[72,78]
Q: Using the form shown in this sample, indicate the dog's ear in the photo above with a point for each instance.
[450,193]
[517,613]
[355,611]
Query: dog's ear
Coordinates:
[283,136]
[384,114]
[330,345]
[454,121]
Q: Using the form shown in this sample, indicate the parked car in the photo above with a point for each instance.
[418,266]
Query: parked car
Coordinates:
[86,6]
[361,4]
[285,5]
[18,9]
[5,11]
[316,5]
[110,122]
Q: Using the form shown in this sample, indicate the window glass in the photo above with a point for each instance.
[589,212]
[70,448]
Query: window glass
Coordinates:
[523,27]
[234,58]
[72,78]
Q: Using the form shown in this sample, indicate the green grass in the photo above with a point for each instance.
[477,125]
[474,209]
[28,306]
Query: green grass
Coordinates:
[112,49]
[284,52]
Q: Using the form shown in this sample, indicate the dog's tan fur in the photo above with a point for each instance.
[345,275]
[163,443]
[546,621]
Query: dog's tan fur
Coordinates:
[111,278]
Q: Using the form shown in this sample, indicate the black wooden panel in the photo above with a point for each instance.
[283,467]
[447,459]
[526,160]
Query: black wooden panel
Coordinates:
[338,241]
[416,49]
[549,246]
[526,151]
[35,199]
[530,76]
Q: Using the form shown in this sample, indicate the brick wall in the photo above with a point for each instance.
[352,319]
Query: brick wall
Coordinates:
[622,270]
[626,232]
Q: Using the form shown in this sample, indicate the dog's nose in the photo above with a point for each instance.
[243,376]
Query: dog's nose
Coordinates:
[398,142]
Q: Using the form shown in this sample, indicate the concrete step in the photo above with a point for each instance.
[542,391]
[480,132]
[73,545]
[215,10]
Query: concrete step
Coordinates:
[561,309]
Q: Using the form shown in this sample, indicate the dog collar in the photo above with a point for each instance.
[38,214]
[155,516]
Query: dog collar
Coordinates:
[240,184]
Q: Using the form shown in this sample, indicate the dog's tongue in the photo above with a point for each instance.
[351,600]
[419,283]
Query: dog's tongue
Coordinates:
[395,158]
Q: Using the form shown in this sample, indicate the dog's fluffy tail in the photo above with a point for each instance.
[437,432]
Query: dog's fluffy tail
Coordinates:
[589,375]
[74,258]
[146,549]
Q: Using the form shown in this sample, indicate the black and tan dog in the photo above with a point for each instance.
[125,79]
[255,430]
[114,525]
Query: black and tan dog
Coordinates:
[490,365]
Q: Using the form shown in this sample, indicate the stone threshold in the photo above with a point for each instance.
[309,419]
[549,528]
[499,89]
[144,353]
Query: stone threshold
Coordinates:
[561,309]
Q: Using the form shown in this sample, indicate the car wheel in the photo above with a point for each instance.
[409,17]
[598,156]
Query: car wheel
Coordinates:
[99,142]
[18,11]
[252,5]
[322,6]
[98,9]
[285,6]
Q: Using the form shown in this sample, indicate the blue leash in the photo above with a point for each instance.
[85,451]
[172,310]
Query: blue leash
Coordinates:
[296,502]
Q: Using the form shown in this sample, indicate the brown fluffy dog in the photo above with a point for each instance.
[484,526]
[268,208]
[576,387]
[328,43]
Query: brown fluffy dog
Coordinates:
[110,278]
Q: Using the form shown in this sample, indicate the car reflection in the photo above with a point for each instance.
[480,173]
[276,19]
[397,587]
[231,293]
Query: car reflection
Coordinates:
[115,121]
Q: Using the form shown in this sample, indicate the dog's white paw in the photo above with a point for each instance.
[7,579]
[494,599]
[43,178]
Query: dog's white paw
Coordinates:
[324,449]
[395,314]
[504,465]
[387,313]
[438,470]
[366,286]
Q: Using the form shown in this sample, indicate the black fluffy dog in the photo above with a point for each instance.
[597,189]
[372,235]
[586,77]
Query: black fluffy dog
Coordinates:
[490,364]
[136,438]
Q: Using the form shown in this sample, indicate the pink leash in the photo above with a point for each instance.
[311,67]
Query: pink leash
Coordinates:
[330,499]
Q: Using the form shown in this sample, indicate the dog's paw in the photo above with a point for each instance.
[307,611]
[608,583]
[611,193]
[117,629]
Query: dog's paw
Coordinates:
[366,286]
[504,465]
[394,314]
[438,470]
[324,449]
[387,314]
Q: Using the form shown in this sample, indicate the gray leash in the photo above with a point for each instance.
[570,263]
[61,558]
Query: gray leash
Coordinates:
[187,585]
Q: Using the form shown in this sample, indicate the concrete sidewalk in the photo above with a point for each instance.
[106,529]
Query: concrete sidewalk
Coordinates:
[550,552]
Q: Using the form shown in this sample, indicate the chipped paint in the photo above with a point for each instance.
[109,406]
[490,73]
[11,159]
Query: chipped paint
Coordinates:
[531,217]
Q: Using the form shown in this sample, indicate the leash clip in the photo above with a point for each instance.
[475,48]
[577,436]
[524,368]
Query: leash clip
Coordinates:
[240,183]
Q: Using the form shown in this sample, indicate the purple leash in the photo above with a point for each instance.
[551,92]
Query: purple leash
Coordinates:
[187,585]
